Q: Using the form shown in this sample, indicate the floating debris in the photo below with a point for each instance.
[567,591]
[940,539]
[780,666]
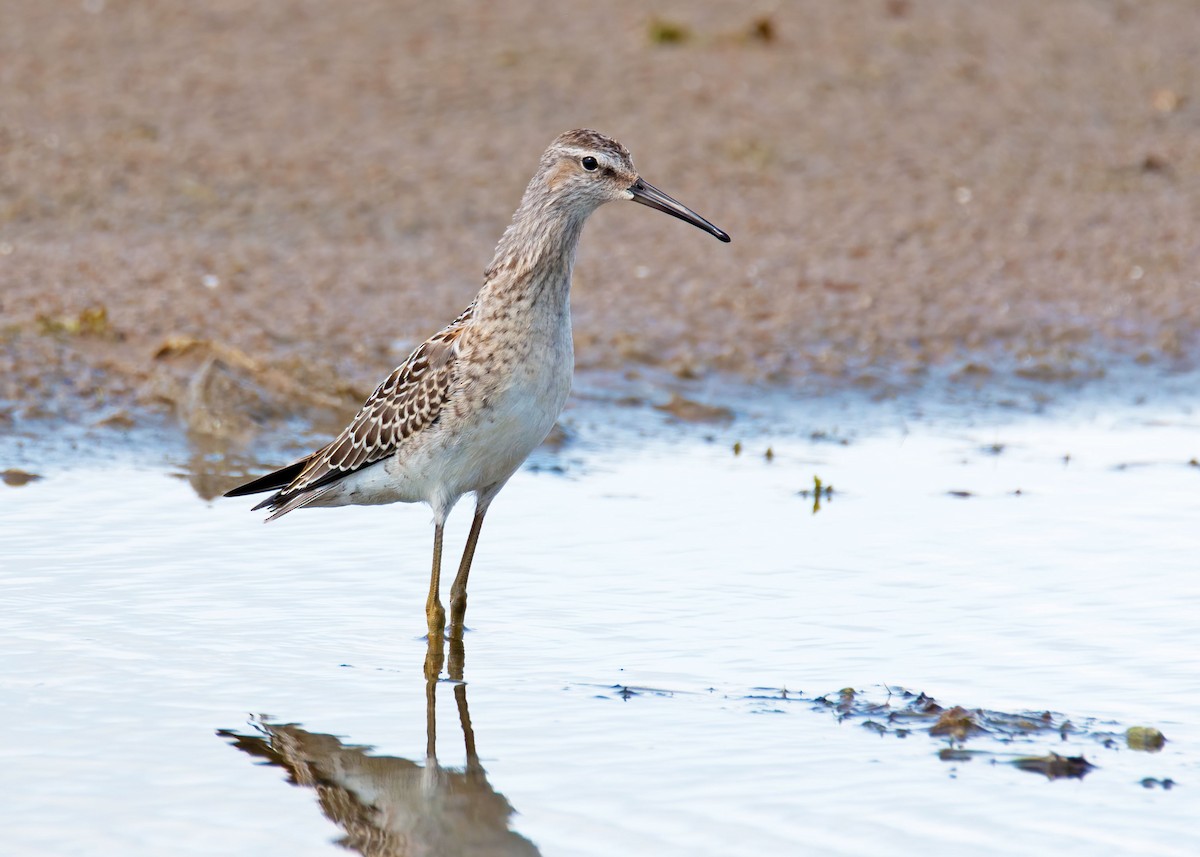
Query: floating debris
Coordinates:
[1055,766]
[627,692]
[1151,783]
[957,723]
[15,478]
[958,754]
[1145,738]
[903,713]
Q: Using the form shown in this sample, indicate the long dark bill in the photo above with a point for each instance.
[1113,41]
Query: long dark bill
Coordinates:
[648,194]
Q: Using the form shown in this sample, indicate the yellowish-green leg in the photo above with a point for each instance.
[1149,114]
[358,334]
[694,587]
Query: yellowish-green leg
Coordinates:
[431,681]
[456,658]
[435,655]
[455,665]
[435,614]
[458,590]
[464,720]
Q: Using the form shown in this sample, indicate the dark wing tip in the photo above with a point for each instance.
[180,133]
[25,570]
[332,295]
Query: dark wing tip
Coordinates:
[273,481]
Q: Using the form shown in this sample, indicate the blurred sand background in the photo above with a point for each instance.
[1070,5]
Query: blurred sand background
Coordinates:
[243,209]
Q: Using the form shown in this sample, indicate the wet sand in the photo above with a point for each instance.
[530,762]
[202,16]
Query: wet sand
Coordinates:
[260,207]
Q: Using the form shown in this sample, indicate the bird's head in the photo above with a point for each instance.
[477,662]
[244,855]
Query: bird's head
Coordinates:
[584,169]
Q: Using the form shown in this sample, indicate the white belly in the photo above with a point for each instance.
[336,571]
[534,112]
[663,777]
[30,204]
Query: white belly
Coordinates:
[488,449]
[483,433]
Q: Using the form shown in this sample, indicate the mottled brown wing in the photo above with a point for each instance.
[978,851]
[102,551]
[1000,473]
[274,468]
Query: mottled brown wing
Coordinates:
[408,401]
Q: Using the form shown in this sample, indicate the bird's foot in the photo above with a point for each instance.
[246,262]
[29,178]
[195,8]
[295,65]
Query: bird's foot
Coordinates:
[435,619]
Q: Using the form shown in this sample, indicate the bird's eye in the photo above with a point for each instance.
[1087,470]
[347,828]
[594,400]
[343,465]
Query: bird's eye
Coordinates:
[589,163]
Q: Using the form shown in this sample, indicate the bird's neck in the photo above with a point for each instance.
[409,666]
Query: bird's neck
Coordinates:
[535,256]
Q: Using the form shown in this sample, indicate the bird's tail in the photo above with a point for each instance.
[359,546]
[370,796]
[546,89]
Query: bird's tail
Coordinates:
[280,505]
[281,502]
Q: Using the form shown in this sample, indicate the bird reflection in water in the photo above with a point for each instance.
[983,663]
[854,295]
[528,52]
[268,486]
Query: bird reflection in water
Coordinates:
[393,807]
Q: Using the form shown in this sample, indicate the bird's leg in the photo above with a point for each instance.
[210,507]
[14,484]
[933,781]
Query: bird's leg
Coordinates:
[435,656]
[431,710]
[455,664]
[435,615]
[456,658]
[464,720]
[458,590]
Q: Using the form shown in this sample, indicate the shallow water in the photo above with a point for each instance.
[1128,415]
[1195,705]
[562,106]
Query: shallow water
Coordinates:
[640,600]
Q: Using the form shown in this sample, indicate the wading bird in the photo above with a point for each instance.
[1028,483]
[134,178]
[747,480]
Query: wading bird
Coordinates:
[468,406]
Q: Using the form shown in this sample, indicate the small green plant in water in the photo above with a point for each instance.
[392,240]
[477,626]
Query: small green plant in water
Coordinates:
[819,491]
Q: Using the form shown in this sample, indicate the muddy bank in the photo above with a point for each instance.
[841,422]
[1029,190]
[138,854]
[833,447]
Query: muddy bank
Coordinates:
[266,205]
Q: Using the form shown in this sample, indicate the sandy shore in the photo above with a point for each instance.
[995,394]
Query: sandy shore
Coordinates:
[239,209]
